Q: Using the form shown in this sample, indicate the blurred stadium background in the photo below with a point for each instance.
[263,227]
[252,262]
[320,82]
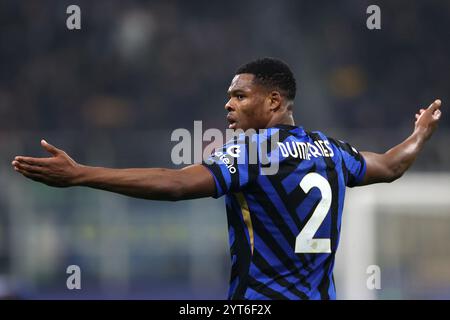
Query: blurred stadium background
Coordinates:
[111,93]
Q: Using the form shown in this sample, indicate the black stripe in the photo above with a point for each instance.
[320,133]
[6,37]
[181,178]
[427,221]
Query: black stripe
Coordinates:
[277,183]
[234,269]
[278,220]
[345,171]
[292,200]
[268,146]
[242,251]
[334,282]
[344,146]
[253,168]
[324,285]
[356,155]
[266,268]
[215,168]
[265,290]
[289,164]
[234,273]
[273,245]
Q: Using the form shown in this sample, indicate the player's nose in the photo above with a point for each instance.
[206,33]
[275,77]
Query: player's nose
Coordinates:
[228,106]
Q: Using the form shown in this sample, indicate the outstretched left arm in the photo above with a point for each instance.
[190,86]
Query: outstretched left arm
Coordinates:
[60,170]
[392,164]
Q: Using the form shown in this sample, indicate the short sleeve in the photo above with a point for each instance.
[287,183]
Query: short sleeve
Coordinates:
[353,162]
[232,166]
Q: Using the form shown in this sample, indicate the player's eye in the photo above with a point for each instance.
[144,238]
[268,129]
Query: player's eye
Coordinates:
[240,97]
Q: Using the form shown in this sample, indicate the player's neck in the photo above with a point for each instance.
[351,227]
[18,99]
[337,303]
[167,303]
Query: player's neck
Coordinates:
[287,119]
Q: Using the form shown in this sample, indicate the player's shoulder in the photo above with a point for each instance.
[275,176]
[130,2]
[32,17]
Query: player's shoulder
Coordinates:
[335,143]
[251,136]
[319,135]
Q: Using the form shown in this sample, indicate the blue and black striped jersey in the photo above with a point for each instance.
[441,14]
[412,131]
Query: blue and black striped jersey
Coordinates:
[284,210]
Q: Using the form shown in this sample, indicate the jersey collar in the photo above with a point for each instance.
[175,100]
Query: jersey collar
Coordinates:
[292,129]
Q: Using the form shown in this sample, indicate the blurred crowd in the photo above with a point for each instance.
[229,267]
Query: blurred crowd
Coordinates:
[162,64]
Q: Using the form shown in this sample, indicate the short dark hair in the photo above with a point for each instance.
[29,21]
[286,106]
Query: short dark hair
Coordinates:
[272,73]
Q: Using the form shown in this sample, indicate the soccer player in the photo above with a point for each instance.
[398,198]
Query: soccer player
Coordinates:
[283,228]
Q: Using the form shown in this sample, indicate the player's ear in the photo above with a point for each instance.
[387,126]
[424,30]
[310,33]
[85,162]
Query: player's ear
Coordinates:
[275,100]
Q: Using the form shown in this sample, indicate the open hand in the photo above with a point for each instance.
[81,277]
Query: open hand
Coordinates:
[427,119]
[59,170]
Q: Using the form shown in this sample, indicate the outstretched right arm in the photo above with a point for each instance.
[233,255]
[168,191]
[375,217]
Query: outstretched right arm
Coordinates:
[191,182]
[60,170]
[391,165]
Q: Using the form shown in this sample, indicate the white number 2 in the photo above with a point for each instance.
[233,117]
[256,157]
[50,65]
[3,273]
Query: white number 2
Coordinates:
[304,243]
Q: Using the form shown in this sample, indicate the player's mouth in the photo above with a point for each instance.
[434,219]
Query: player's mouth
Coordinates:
[232,122]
